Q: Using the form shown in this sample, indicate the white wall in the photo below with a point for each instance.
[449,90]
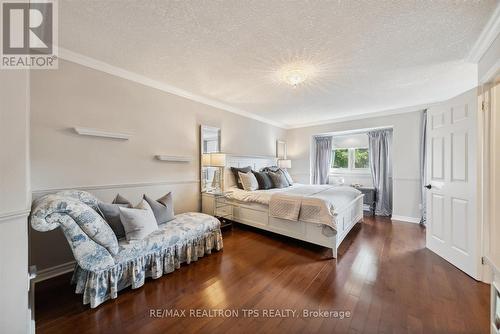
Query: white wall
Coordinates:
[14,200]
[160,123]
[406,155]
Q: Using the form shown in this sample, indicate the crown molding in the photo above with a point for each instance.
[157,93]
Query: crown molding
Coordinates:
[488,35]
[143,80]
[491,73]
[354,117]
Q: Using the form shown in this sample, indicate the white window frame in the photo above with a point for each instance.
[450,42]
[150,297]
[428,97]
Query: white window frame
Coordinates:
[351,162]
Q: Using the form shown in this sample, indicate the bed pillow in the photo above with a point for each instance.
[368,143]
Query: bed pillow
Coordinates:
[248,181]
[138,222]
[163,208]
[279,179]
[287,175]
[235,172]
[111,213]
[263,179]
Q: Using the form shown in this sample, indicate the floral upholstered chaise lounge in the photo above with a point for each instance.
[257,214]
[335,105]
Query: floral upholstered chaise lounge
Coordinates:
[106,265]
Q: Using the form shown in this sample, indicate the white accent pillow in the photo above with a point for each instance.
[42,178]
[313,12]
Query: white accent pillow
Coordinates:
[248,181]
[287,176]
[138,222]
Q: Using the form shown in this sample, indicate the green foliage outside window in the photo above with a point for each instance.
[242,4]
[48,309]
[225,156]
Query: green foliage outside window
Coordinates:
[361,158]
[344,158]
[340,158]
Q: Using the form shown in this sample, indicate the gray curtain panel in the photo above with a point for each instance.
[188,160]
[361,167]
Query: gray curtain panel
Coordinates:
[423,162]
[322,159]
[380,147]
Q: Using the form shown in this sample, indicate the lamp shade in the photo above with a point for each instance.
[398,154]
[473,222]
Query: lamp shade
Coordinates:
[285,163]
[205,159]
[218,160]
[213,160]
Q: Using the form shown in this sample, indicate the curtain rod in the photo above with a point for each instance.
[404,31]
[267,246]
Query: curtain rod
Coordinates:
[352,132]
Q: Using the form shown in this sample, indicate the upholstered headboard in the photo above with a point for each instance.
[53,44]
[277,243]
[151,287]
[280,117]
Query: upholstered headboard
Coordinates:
[256,162]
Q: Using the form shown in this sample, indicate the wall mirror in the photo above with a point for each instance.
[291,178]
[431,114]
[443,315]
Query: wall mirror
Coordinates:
[212,164]
[281,149]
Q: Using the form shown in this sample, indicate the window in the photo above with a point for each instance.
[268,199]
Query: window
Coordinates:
[350,160]
[361,158]
[340,158]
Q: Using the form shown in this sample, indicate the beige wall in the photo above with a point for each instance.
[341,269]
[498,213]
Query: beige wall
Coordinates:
[406,153]
[160,123]
[14,201]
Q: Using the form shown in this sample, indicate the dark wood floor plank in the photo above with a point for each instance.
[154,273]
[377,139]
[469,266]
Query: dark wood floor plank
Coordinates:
[384,277]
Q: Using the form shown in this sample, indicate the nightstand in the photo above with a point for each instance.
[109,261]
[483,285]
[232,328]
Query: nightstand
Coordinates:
[216,204]
[370,197]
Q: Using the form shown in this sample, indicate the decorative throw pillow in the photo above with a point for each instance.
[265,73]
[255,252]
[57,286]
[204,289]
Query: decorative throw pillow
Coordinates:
[263,179]
[138,222]
[119,199]
[287,175]
[235,172]
[279,179]
[111,213]
[248,181]
[270,169]
[163,208]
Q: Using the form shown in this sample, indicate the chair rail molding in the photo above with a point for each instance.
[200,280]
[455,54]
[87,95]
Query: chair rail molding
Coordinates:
[115,186]
[7,216]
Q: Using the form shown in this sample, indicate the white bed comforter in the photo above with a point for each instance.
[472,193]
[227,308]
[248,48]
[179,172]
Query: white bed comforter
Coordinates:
[309,203]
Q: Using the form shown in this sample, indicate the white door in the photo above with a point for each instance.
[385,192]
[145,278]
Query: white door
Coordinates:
[452,217]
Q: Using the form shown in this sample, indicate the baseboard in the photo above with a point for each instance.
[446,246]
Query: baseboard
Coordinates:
[406,219]
[51,272]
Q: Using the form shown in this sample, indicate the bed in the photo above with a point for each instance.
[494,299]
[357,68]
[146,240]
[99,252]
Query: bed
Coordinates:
[319,214]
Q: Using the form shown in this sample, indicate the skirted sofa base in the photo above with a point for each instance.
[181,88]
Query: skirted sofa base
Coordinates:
[105,264]
[97,287]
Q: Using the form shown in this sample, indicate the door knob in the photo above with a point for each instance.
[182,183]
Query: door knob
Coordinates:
[429,186]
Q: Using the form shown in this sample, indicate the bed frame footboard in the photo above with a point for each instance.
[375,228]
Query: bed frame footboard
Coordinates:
[258,216]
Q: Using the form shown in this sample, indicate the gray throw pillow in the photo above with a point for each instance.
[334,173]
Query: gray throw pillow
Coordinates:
[163,208]
[119,199]
[273,169]
[264,180]
[279,179]
[138,222]
[237,177]
[111,213]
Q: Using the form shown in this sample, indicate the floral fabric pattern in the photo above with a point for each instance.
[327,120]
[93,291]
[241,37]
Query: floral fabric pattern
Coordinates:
[100,271]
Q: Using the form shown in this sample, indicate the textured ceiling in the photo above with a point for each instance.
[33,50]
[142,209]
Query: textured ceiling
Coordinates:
[368,56]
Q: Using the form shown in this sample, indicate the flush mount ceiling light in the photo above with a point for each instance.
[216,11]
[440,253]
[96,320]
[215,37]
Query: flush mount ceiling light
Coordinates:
[295,77]
[296,74]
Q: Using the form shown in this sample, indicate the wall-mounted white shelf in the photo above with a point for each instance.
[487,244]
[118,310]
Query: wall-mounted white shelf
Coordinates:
[101,133]
[173,158]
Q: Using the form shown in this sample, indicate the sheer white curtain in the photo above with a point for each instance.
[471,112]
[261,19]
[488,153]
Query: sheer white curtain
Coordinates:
[380,148]
[322,159]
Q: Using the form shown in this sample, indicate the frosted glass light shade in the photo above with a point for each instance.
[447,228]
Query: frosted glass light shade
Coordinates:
[285,163]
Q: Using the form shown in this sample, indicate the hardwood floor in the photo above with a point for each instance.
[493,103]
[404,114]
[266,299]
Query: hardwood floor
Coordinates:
[384,277]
